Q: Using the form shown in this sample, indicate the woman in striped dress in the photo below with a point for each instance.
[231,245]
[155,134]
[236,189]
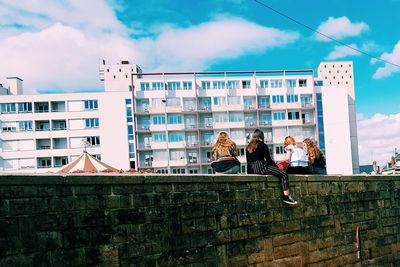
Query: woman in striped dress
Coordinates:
[259,162]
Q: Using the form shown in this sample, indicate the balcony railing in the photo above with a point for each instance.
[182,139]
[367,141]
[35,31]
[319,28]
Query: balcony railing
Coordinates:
[190,108]
[191,144]
[143,128]
[41,147]
[206,143]
[190,126]
[204,108]
[265,123]
[206,125]
[264,106]
[306,105]
[249,107]
[251,124]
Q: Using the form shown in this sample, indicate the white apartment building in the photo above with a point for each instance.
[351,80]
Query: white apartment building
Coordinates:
[168,122]
[42,132]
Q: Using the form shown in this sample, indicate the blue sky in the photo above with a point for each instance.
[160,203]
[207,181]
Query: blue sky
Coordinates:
[55,46]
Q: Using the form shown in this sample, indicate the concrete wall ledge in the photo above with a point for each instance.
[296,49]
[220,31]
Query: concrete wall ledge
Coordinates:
[107,178]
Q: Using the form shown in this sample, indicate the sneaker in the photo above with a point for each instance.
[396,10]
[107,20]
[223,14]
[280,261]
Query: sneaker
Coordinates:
[289,200]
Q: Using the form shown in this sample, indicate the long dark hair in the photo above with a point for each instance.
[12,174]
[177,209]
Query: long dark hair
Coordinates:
[256,139]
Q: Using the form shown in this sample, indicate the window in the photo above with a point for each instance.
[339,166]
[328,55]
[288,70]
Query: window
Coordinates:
[292,98]
[246,84]
[277,99]
[25,125]
[264,83]
[264,102]
[234,100]
[175,137]
[130,132]
[219,101]
[302,83]
[291,83]
[44,162]
[157,120]
[279,116]
[159,137]
[241,152]
[128,101]
[175,119]
[93,140]
[131,150]
[157,86]
[279,150]
[187,85]
[178,154]
[8,108]
[174,86]
[92,123]
[293,115]
[25,107]
[9,129]
[233,84]
[144,86]
[91,104]
[276,83]
[218,84]
[178,171]
[220,117]
[174,102]
[235,117]
[318,83]
[129,116]
[205,84]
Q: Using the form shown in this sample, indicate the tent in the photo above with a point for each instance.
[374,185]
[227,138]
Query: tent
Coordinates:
[86,163]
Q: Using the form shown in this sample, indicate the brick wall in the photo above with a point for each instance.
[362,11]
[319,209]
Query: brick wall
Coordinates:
[226,220]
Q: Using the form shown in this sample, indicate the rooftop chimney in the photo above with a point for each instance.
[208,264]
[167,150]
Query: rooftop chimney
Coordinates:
[15,85]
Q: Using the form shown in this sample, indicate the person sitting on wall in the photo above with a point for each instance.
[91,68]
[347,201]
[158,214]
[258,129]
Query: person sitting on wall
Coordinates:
[296,157]
[315,157]
[224,155]
[259,162]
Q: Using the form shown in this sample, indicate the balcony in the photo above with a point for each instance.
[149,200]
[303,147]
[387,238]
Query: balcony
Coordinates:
[251,124]
[142,110]
[265,123]
[192,145]
[158,163]
[206,144]
[206,161]
[177,162]
[250,107]
[59,125]
[146,146]
[264,107]
[143,128]
[190,127]
[307,122]
[307,105]
[41,107]
[235,107]
[190,108]
[181,144]
[173,109]
[42,126]
[175,127]
[205,126]
[193,162]
[158,145]
[205,108]
[220,108]
[57,106]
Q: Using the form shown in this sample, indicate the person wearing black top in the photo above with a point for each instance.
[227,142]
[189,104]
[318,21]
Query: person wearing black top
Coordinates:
[259,162]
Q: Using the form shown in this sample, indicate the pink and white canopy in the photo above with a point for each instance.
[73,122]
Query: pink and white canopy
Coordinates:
[86,163]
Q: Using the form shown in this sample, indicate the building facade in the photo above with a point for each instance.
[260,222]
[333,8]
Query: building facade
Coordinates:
[168,122]
[43,132]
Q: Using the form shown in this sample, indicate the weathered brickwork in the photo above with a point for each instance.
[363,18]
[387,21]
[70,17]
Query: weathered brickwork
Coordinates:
[230,220]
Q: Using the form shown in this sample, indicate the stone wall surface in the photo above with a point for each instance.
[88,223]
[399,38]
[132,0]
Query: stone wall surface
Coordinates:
[198,220]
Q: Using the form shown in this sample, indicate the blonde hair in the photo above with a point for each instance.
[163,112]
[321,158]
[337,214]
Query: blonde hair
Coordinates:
[289,141]
[312,150]
[223,146]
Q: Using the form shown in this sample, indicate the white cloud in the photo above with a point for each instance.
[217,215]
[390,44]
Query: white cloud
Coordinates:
[342,51]
[198,46]
[56,45]
[388,69]
[378,137]
[339,28]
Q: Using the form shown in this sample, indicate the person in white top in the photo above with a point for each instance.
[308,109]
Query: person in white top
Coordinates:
[296,156]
